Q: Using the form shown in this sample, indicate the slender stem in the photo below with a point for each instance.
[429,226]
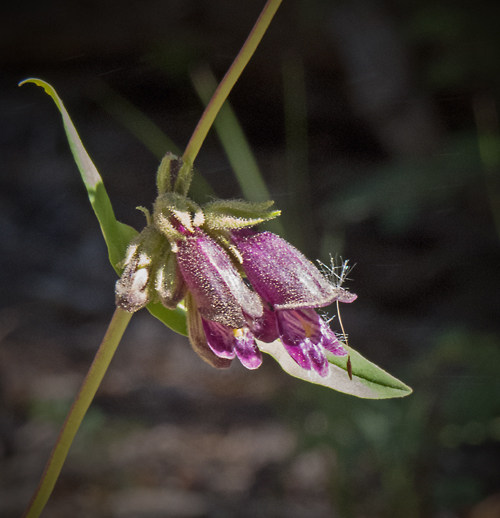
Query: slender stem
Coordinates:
[229,80]
[77,412]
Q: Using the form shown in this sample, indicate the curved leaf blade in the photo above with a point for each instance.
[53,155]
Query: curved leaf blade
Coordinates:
[116,234]
[368,380]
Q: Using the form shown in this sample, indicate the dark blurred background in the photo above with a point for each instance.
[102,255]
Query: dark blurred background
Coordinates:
[375,126]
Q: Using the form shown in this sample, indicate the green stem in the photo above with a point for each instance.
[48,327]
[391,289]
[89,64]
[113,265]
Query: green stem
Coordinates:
[77,412]
[229,80]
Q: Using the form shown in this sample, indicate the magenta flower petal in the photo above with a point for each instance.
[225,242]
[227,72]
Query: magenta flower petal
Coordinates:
[306,337]
[318,359]
[298,353]
[265,328]
[220,338]
[198,338]
[217,287]
[299,324]
[293,337]
[246,348]
[280,274]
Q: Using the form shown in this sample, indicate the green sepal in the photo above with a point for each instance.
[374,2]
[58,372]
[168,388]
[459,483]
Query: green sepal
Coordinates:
[136,287]
[233,214]
[116,234]
[174,176]
[169,285]
[184,178]
[185,211]
[166,172]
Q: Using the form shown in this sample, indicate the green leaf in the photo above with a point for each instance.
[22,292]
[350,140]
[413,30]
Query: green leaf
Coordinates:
[116,234]
[175,319]
[368,380]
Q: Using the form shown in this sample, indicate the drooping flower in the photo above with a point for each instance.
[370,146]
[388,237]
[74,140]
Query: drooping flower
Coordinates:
[238,285]
[223,301]
[293,287]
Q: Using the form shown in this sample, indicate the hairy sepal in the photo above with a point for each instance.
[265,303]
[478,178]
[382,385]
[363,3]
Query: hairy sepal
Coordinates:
[235,214]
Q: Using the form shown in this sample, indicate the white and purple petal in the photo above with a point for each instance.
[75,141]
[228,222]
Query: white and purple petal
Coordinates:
[306,337]
[293,337]
[299,324]
[318,359]
[246,349]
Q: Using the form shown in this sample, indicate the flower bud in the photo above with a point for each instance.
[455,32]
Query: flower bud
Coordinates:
[169,283]
[133,290]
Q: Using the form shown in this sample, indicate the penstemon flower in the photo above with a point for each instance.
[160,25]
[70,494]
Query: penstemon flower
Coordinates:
[292,287]
[239,285]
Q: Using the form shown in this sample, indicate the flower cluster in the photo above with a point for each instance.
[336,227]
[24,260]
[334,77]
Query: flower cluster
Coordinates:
[238,285]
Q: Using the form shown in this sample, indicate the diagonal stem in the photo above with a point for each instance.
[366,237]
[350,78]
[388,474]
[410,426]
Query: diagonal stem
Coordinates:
[229,80]
[77,412]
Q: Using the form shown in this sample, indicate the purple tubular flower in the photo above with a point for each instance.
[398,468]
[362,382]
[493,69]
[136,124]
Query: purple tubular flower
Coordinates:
[222,299]
[293,286]
[281,275]
[219,291]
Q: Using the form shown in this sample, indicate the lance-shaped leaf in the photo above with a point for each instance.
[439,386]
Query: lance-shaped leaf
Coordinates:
[368,380]
[116,234]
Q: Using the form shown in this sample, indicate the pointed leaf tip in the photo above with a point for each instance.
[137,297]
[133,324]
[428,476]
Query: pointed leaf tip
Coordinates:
[116,234]
[368,381]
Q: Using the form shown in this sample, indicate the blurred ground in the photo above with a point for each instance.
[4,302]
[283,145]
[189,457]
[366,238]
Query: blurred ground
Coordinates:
[398,173]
